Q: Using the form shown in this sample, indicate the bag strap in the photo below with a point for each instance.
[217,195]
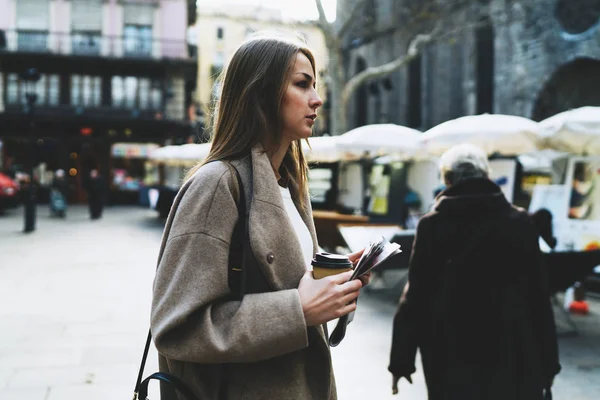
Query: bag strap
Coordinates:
[170,379]
[238,249]
[236,280]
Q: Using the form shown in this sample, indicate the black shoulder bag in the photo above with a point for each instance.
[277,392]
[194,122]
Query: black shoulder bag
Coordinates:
[241,267]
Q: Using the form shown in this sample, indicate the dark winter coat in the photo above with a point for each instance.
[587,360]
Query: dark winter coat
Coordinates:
[483,322]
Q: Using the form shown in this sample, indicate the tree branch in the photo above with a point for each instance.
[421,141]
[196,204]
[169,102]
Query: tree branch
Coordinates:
[354,14]
[323,23]
[373,72]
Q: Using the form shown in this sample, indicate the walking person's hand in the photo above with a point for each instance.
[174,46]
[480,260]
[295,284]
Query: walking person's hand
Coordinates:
[328,298]
[395,380]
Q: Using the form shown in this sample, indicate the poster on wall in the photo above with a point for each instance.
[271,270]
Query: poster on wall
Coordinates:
[502,171]
[581,224]
[583,179]
[552,198]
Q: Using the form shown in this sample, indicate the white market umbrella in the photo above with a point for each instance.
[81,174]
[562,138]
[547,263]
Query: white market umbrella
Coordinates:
[576,131]
[494,133]
[541,160]
[193,153]
[182,155]
[162,154]
[322,149]
[380,140]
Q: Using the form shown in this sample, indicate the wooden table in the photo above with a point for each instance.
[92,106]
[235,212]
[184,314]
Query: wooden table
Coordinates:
[326,223]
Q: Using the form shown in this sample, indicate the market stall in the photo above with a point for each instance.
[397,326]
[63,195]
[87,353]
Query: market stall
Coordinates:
[130,172]
[172,163]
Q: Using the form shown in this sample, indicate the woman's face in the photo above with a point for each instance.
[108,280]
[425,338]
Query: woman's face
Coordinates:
[300,101]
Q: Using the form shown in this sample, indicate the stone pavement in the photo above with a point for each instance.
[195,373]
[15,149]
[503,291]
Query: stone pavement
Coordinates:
[74,308]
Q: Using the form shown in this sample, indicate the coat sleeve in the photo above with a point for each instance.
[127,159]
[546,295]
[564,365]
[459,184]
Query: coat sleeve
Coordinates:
[540,298]
[193,318]
[406,320]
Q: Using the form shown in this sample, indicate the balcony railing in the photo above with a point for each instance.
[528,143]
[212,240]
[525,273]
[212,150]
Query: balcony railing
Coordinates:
[91,44]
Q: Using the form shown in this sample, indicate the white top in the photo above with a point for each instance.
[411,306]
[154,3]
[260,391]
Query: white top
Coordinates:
[299,226]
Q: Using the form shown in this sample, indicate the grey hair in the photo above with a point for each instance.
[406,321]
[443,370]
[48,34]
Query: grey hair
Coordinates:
[462,162]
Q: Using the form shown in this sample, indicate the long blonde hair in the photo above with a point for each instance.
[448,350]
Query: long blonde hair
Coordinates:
[248,109]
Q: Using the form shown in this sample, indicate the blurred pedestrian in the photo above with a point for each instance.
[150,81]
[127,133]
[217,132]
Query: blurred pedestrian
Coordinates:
[59,191]
[272,344]
[60,182]
[477,305]
[96,189]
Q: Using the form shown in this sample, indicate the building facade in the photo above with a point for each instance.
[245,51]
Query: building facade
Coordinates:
[220,31]
[531,58]
[109,71]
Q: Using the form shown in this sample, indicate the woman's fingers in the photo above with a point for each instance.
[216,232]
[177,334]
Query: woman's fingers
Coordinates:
[348,308]
[341,278]
[350,297]
[354,257]
[351,286]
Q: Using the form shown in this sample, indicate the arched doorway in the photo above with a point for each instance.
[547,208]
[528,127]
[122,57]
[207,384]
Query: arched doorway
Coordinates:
[361,111]
[572,85]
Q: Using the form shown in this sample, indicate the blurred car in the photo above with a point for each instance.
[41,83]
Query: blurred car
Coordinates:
[9,192]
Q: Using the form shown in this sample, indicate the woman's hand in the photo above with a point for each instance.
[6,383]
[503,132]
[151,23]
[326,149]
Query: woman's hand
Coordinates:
[328,298]
[354,257]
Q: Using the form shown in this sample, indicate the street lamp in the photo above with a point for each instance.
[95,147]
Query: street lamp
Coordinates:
[30,77]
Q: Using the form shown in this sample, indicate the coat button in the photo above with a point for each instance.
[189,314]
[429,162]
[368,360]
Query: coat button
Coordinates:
[270,258]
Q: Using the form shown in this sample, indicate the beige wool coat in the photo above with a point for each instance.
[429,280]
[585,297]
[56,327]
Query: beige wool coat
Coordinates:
[259,348]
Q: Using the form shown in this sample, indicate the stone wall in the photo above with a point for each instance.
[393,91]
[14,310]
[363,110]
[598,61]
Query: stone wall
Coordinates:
[530,44]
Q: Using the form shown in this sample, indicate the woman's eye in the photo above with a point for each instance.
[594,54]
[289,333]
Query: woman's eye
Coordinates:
[302,84]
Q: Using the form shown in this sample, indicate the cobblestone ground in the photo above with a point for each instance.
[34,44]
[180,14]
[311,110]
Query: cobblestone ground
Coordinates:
[74,305]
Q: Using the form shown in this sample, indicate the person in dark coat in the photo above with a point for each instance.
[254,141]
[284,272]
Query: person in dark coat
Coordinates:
[476,304]
[96,193]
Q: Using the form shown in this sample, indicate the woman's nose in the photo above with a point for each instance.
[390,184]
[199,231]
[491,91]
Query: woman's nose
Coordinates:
[316,101]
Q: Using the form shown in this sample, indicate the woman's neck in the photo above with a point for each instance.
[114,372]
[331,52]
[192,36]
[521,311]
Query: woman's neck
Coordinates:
[276,155]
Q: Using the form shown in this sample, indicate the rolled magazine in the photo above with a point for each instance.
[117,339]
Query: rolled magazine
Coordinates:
[374,255]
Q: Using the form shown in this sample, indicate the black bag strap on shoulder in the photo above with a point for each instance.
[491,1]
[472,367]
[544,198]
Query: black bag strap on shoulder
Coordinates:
[240,256]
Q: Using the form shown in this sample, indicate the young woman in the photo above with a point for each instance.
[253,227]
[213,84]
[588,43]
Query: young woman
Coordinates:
[272,344]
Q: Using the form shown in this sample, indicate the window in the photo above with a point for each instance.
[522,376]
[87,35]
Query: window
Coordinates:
[12,88]
[117,91]
[415,94]
[33,23]
[144,93]
[485,68]
[86,26]
[53,90]
[31,40]
[156,95]
[86,42]
[136,92]
[361,105]
[46,89]
[130,91]
[86,90]
[137,40]
[219,59]
[219,33]
[577,17]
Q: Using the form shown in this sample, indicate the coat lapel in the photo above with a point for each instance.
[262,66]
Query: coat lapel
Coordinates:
[272,236]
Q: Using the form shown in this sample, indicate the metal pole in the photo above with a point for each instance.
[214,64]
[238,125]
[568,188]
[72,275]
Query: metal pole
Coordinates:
[30,193]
